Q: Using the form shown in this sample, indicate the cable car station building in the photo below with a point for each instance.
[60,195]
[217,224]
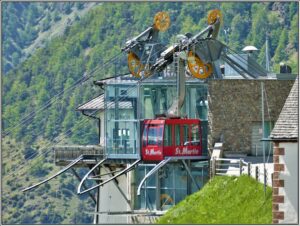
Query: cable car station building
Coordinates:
[229,109]
[123,106]
[147,162]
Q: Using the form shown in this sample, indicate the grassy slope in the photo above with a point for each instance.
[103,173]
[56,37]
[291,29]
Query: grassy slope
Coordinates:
[224,200]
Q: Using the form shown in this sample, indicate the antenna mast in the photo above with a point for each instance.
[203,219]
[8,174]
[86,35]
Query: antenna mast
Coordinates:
[267,54]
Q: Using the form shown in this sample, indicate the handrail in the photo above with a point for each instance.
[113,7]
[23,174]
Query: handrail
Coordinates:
[231,160]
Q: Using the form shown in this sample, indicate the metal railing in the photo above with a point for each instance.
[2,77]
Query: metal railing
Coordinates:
[221,166]
[237,167]
[67,153]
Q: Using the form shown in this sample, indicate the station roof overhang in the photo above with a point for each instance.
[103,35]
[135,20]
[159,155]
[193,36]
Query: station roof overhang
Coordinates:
[97,103]
[128,79]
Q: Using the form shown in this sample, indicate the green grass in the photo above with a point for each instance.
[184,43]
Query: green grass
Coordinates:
[224,200]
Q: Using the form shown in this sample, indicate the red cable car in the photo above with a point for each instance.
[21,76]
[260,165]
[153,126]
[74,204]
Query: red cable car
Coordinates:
[165,137]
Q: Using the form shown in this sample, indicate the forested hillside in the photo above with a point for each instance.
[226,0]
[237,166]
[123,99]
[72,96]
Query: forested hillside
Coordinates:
[40,94]
[29,25]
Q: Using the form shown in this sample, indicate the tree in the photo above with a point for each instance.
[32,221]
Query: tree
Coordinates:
[67,8]
[280,53]
[79,5]
[56,16]
[259,24]
[29,153]
[15,58]
[38,169]
[294,32]
[46,23]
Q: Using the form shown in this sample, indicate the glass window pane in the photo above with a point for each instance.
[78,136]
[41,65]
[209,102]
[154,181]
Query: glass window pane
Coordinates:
[155,135]
[180,176]
[180,194]
[185,134]
[177,135]
[195,134]
[168,135]
[152,135]
[151,181]
[160,135]
[150,198]
[145,135]
[166,174]
[143,199]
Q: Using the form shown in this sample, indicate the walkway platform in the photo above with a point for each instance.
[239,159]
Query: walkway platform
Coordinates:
[65,154]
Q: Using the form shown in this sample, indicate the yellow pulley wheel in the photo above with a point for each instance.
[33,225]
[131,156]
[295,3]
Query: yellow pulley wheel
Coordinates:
[213,15]
[197,68]
[134,65]
[162,21]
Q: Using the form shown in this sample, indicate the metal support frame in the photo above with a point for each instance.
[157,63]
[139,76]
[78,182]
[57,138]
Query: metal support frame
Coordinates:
[86,176]
[130,167]
[174,109]
[97,207]
[78,177]
[157,192]
[98,177]
[156,168]
[263,135]
[133,212]
[188,180]
[118,187]
[190,173]
[81,157]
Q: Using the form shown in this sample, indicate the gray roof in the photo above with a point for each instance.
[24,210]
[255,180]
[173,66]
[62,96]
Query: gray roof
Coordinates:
[286,127]
[98,104]
[129,79]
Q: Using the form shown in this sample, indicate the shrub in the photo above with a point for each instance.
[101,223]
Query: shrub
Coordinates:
[29,153]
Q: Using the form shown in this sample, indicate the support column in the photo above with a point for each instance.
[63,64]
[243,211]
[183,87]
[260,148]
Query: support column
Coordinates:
[189,181]
[97,207]
[157,192]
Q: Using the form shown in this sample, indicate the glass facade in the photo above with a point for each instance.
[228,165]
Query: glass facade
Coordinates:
[127,103]
[121,123]
[169,185]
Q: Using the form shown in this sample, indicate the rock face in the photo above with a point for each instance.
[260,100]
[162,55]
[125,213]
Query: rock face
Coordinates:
[235,107]
[283,10]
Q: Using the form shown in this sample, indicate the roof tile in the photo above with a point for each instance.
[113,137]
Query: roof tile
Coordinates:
[286,126]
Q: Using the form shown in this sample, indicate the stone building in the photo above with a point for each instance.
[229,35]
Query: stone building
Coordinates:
[235,112]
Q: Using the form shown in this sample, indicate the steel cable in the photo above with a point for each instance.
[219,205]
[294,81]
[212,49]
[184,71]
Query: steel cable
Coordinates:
[70,130]
[51,144]
[55,97]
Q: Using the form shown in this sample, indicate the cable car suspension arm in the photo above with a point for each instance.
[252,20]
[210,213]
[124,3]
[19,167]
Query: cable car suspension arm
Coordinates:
[81,157]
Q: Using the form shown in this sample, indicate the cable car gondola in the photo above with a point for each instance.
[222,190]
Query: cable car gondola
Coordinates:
[171,137]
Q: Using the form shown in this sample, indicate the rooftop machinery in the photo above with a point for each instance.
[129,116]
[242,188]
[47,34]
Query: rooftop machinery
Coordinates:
[169,137]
